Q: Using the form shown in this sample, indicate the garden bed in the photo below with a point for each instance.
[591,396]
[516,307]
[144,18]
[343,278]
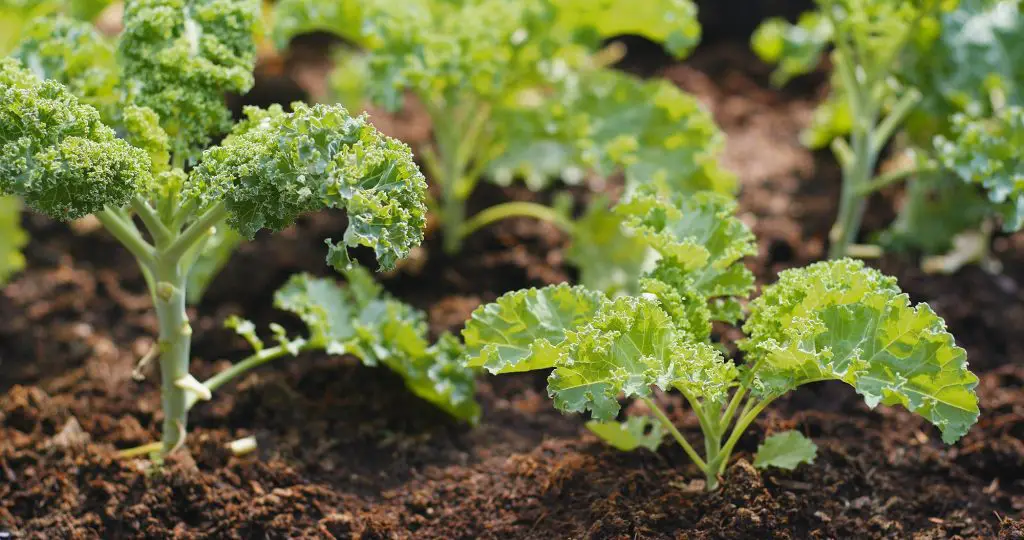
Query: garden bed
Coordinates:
[346,450]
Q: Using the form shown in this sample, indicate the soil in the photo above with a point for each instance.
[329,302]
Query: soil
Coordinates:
[345,451]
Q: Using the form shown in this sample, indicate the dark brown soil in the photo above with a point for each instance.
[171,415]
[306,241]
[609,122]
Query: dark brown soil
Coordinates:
[345,451]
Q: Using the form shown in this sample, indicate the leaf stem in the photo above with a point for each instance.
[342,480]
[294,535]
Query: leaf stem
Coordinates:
[151,220]
[517,209]
[663,418]
[891,177]
[143,450]
[750,412]
[196,231]
[237,369]
[129,236]
[896,116]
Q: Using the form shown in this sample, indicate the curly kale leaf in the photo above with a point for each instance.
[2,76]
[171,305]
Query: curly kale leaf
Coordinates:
[179,58]
[520,330]
[72,53]
[599,348]
[360,319]
[785,450]
[447,51]
[629,346]
[276,166]
[672,22]
[968,59]
[608,121]
[702,244]
[56,154]
[838,320]
[990,152]
[12,238]
[343,18]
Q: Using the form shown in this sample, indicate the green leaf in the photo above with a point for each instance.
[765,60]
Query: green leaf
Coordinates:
[140,126]
[74,54]
[702,244]
[796,48]
[990,152]
[672,22]
[362,320]
[635,432]
[660,137]
[608,259]
[439,376]
[327,309]
[179,58]
[343,18]
[838,320]
[785,450]
[56,154]
[520,330]
[276,166]
[627,347]
[12,238]
[452,54]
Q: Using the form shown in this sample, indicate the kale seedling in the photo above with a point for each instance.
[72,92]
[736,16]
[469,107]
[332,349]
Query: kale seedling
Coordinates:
[521,90]
[125,138]
[834,320]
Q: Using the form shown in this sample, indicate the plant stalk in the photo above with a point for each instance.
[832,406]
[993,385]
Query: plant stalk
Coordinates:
[175,343]
[851,200]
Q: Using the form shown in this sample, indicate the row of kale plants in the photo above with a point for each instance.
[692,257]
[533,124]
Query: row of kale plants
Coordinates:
[131,129]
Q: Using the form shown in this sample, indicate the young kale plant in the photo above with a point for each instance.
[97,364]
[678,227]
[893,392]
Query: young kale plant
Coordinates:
[146,161]
[903,68]
[520,90]
[834,320]
[868,102]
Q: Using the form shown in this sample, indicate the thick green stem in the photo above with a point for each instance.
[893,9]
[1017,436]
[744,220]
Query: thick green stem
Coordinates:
[851,200]
[175,344]
[516,209]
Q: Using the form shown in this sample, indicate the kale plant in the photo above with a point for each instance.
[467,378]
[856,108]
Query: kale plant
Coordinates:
[836,320]
[125,134]
[522,90]
[901,72]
